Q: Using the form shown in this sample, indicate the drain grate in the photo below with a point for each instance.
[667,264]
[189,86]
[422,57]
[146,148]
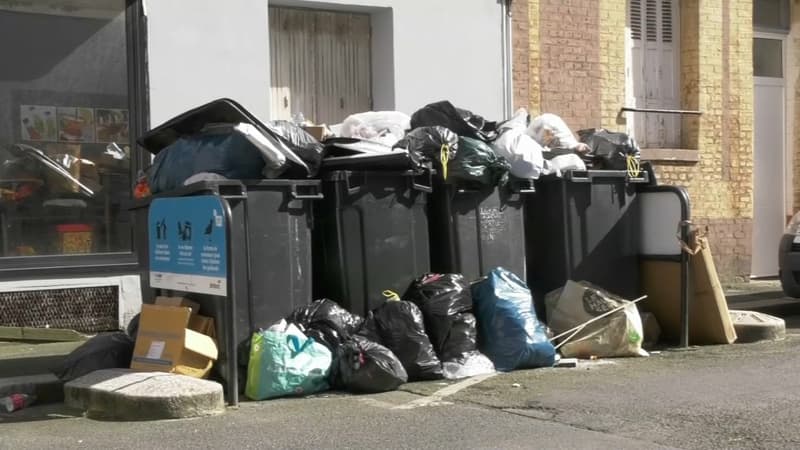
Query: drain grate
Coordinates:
[88,309]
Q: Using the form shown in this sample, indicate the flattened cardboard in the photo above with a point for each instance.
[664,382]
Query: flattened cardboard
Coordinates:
[165,344]
[203,324]
[178,301]
[709,320]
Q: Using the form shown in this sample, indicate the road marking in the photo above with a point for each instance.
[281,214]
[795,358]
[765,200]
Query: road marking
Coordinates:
[437,397]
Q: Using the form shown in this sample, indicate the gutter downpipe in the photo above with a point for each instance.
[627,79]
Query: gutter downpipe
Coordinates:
[507,59]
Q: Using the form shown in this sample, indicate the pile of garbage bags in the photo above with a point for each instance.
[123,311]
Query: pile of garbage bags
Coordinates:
[221,140]
[442,327]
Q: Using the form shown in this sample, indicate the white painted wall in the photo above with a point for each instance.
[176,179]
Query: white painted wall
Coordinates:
[206,49]
[442,49]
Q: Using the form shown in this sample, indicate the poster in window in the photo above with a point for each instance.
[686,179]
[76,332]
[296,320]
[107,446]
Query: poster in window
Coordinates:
[75,124]
[112,125]
[38,123]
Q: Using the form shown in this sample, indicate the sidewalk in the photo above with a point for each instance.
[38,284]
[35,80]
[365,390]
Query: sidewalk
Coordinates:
[19,361]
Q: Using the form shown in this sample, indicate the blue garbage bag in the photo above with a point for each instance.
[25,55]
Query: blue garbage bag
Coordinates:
[221,150]
[508,331]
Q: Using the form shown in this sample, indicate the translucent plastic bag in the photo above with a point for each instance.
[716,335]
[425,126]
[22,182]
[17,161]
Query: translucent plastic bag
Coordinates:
[385,127]
[550,130]
[283,361]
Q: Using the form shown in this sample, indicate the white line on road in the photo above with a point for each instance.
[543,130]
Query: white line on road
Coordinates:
[436,397]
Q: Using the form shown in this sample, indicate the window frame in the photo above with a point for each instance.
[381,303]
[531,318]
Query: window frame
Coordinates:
[634,119]
[49,266]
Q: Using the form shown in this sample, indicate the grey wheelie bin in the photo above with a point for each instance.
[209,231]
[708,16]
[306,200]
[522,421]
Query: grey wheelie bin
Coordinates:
[584,227]
[473,230]
[370,235]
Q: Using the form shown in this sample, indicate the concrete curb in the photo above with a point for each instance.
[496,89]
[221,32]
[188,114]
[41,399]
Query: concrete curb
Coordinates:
[121,394]
[46,387]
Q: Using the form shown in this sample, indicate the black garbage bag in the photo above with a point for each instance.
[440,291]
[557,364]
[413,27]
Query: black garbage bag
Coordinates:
[400,327]
[477,164]
[326,322]
[310,150]
[610,150]
[104,351]
[446,304]
[460,121]
[364,366]
[436,145]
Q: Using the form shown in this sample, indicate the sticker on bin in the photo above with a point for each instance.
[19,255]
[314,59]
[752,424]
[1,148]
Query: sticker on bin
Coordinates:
[188,244]
[796,240]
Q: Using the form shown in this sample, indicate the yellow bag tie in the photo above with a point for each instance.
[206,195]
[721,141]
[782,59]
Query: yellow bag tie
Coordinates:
[391,296]
[634,168]
[444,158]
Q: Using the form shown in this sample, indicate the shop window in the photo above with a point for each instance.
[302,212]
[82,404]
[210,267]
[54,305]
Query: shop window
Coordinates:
[652,72]
[65,134]
[320,64]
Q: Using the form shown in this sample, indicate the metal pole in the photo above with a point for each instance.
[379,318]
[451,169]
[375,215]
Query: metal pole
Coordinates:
[685,286]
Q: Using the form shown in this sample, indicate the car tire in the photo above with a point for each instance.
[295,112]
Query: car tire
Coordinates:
[789,284]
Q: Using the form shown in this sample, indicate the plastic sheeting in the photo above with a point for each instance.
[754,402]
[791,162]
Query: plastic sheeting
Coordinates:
[522,152]
[299,141]
[550,130]
[508,331]
[385,127]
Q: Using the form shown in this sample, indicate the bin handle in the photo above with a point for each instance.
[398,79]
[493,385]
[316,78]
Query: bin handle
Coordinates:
[427,188]
[351,190]
[317,196]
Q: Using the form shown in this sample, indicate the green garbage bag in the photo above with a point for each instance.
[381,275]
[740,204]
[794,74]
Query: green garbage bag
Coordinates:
[476,164]
[283,361]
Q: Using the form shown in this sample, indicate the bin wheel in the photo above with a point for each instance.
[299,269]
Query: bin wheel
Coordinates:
[788,284]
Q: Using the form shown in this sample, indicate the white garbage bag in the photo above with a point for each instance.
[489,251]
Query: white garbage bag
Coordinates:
[520,150]
[563,163]
[385,127]
[619,334]
[550,131]
[474,364]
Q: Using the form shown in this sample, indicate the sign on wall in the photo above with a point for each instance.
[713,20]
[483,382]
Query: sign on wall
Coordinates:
[188,244]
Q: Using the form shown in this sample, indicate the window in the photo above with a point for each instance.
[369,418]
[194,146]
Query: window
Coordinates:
[65,134]
[771,15]
[652,72]
[320,64]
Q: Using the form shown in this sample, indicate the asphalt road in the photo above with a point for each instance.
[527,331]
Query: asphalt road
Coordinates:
[737,396]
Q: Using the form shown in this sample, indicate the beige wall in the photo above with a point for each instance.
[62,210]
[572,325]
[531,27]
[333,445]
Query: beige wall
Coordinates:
[587,41]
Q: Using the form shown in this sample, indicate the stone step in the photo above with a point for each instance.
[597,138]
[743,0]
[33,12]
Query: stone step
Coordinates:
[121,394]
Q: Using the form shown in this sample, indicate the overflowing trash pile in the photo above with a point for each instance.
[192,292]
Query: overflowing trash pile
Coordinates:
[444,325]
[222,141]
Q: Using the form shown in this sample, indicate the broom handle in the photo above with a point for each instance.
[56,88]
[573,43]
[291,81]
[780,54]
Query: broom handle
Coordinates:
[595,319]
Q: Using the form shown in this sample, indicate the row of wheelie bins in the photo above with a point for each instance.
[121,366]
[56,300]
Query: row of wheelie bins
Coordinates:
[352,235]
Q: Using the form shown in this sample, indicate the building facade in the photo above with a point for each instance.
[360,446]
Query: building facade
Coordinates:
[587,60]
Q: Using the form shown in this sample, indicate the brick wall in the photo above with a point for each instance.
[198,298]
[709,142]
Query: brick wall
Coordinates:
[569,66]
[577,50]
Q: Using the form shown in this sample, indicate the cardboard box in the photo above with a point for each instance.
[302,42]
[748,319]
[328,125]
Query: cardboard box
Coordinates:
[178,301]
[709,320]
[320,132]
[165,343]
[203,324]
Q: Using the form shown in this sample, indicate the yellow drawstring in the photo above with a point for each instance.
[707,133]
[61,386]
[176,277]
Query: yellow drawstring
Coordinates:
[634,169]
[445,158]
[391,295]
